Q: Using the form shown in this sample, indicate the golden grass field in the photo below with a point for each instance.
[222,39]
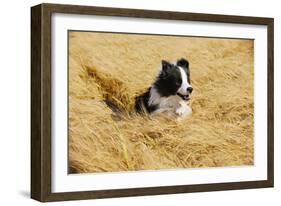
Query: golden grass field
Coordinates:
[118,67]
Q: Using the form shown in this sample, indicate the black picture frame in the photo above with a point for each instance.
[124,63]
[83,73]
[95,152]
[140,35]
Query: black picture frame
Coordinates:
[41,115]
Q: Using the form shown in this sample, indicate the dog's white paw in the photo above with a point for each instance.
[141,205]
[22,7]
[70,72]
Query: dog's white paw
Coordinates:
[180,111]
[184,111]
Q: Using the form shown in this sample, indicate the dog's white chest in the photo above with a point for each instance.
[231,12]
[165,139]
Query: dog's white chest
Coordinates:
[172,102]
[175,105]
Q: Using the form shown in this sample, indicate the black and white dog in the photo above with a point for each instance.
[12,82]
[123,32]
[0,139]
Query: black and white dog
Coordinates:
[170,93]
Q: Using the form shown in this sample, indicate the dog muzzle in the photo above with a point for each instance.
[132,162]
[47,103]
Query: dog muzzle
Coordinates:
[184,97]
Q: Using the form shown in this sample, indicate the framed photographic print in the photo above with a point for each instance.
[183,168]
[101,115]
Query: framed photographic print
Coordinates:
[130,102]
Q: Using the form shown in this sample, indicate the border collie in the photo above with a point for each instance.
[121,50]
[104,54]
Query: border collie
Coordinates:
[170,93]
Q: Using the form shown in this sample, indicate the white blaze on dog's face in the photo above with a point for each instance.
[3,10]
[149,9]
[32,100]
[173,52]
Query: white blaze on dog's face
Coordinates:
[185,89]
[185,86]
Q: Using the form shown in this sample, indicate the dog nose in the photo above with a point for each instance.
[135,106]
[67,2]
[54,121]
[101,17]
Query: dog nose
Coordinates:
[189,89]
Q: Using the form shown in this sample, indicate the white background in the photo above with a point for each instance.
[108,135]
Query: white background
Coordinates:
[15,102]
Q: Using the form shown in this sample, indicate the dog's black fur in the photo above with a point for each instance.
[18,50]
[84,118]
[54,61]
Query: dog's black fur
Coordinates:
[142,103]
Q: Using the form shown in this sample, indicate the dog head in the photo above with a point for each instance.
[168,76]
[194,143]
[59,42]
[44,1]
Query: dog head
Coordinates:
[174,79]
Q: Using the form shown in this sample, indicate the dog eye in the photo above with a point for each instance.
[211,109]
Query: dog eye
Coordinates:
[178,83]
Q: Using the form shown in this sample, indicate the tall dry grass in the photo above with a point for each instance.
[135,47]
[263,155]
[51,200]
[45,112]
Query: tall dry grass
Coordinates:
[114,68]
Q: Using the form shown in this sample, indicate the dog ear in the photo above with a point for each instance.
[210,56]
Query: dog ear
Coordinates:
[165,66]
[183,63]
